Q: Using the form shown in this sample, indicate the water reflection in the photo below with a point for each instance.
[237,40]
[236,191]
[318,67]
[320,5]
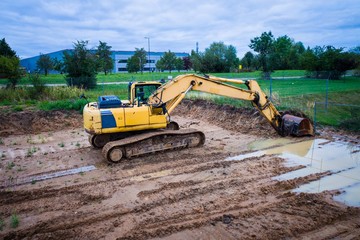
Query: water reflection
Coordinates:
[319,155]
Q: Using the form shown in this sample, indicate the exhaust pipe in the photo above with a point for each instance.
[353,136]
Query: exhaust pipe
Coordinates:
[296,126]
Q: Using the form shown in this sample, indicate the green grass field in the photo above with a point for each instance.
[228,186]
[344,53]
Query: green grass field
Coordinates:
[130,77]
[294,93]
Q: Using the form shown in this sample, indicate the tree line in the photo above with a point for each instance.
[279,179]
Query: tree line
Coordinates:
[80,65]
[269,54]
[284,53]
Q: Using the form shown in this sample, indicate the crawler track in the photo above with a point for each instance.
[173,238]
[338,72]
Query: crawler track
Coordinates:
[151,142]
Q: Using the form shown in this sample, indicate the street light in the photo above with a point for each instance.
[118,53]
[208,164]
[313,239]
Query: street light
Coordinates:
[148,38]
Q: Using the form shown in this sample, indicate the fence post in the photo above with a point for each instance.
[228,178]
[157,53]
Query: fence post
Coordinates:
[103,86]
[327,92]
[314,117]
[270,88]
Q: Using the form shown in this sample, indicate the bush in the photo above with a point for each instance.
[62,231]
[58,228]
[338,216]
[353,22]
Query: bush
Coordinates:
[10,69]
[26,94]
[38,86]
[77,104]
[36,81]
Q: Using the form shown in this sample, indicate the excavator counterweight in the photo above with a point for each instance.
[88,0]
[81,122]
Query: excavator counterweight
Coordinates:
[142,124]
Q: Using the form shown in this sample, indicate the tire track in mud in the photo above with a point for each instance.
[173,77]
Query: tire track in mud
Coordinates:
[171,207]
[74,192]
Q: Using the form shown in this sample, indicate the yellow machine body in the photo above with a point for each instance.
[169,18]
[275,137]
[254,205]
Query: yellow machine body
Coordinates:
[123,119]
[127,115]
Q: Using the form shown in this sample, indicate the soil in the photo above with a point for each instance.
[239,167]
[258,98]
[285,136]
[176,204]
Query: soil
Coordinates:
[187,194]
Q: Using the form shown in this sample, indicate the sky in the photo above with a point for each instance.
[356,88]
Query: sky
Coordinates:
[32,27]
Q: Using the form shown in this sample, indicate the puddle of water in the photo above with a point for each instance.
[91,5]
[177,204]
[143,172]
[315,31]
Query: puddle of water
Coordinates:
[268,143]
[296,149]
[340,158]
[350,196]
[31,179]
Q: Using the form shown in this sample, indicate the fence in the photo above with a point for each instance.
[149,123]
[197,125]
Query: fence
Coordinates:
[345,116]
[328,102]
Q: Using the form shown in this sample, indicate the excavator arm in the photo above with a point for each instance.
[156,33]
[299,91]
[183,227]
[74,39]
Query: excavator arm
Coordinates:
[169,95]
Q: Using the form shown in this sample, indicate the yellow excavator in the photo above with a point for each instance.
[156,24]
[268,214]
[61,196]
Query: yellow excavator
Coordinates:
[142,124]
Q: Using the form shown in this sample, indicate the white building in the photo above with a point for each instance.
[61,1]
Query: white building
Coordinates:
[121,58]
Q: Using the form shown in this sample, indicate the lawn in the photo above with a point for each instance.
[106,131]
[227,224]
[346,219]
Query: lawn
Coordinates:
[130,77]
[287,93]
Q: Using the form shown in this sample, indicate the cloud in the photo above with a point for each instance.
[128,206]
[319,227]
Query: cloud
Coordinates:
[31,27]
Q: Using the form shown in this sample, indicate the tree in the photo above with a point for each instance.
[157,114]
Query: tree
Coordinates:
[356,55]
[232,61]
[10,69]
[187,63]
[160,65]
[133,65]
[264,46]
[327,62]
[247,61]
[295,55]
[179,64]
[196,61]
[104,60]
[9,64]
[137,62]
[168,61]
[45,63]
[80,66]
[5,49]
[280,56]
[309,61]
[218,58]
[214,59]
[58,65]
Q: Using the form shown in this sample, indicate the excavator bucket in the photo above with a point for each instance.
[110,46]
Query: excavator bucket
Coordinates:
[296,126]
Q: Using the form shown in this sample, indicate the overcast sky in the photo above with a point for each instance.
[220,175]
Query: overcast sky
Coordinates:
[31,27]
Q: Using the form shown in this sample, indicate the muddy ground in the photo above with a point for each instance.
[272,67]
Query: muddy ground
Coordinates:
[189,194]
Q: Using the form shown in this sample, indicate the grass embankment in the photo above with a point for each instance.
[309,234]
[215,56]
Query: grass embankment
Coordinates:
[56,98]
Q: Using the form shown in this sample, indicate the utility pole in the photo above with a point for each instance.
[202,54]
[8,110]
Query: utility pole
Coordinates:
[148,38]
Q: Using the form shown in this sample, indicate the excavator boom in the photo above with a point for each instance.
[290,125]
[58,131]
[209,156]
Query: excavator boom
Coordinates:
[171,94]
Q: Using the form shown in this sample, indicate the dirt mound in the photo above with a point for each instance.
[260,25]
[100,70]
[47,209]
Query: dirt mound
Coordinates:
[30,122]
[241,120]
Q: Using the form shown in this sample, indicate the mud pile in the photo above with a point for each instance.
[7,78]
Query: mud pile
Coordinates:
[26,122]
[241,120]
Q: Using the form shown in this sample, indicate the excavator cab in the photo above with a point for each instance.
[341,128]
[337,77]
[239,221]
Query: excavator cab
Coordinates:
[139,92]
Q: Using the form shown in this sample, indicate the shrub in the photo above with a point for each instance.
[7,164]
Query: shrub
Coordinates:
[38,85]
[14,220]
[62,104]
